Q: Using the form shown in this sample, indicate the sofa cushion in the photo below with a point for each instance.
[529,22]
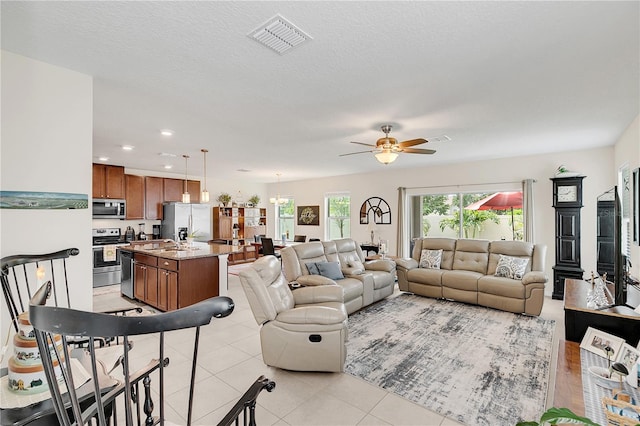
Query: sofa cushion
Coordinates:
[430,259]
[461,280]
[330,270]
[519,249]
[511,267]
[471,255]
[312,267]
[447,245]
[499,286]
[426,276]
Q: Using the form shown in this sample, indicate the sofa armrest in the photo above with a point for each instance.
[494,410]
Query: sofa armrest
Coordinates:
[352,271]
[318,294]
[408,263]
[534,277]
[380,265]
[312,315]
[308,280]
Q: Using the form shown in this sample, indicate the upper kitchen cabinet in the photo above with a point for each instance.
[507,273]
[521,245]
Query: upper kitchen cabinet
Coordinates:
[108,181]
[153,197]
[173,189]
[134,196]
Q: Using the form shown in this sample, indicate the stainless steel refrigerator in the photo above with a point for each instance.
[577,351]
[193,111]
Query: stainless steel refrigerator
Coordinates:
[180,219]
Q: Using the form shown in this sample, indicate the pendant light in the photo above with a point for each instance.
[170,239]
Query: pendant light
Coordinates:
[278,199]
[204,196]
[186,198]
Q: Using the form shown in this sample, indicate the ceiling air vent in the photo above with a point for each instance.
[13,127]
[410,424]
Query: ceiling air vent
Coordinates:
[279,34]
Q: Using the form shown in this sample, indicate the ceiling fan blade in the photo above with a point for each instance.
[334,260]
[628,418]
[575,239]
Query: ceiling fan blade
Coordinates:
[352,153]
[418,151]
[362,143]
[412,142]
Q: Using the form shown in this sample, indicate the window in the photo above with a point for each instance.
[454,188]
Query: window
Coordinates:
[338,216]
[285,219]
[484,215]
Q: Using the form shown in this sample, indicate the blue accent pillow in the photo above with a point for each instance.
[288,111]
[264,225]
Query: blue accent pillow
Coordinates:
[312,267]
[330,270]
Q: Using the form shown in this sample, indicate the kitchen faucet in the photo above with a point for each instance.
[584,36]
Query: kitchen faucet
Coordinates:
[168,240]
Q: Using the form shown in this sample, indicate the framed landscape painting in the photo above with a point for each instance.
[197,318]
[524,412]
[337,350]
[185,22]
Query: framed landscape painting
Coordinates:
[595,341]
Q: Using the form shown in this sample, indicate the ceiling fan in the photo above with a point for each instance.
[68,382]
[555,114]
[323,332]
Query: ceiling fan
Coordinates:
[386,149]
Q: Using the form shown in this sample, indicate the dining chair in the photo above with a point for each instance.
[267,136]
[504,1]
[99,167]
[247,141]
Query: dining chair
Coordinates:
[131,393]
[299,238]
[19,277]
[268,248]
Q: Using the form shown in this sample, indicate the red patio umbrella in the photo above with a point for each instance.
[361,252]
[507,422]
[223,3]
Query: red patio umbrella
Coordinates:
[500,201]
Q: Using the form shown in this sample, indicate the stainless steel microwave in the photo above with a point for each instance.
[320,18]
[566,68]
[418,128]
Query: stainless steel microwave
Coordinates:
[108,209]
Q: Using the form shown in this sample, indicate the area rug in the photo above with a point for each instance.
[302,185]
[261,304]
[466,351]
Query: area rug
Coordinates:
[475,365]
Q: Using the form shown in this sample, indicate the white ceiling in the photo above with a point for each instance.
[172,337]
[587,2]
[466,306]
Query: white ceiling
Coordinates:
[499,78]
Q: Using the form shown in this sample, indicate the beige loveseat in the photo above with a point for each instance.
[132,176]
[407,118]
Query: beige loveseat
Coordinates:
[467,273]
[363,282]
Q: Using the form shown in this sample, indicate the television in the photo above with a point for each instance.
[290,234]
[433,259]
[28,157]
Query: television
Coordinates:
[611,258]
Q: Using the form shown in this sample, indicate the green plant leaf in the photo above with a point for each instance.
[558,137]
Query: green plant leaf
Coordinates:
[527,424]
[554,416]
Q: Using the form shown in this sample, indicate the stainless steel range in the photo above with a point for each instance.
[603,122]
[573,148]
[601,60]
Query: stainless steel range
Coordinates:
[107,269]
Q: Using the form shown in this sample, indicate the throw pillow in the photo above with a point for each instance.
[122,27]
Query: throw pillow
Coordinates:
[312,267]
[355,263]
[511,267]
[430,259]
[330,270]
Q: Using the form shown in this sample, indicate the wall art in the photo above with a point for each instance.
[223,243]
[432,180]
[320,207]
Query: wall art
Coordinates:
[375,210]
[309,215]
[42,200]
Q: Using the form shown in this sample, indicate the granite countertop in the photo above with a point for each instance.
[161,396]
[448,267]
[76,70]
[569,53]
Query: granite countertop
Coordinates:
[164,250]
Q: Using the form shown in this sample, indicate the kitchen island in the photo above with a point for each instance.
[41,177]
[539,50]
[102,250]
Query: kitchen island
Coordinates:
[169,277]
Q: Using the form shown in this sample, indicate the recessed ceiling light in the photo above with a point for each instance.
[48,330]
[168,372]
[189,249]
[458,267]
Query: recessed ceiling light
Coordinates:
[103,158]
[166,132]
[166,154]
[127,147]
[244,170]
[168,166]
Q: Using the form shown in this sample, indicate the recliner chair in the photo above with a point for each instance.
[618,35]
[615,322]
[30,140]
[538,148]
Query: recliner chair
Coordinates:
[302,330]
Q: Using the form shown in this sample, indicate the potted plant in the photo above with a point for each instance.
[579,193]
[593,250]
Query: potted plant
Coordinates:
[190,237]
[255,199]
[224,198]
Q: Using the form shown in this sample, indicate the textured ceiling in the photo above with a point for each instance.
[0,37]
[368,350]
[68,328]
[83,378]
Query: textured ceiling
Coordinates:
[499,78]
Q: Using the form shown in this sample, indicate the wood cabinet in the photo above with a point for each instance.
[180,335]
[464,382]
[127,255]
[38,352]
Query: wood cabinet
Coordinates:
[108,181]
[153,197]
[173,189]
[134,196]
[168,284]
[250,222]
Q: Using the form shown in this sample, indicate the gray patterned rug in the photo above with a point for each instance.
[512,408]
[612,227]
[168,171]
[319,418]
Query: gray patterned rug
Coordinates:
[475,365]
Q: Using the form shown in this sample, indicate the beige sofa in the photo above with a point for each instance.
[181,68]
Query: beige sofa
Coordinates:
[467,273]
[363,282]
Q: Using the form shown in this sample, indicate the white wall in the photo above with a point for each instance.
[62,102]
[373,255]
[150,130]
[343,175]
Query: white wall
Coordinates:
[596,164]
[627,151]
[46,146]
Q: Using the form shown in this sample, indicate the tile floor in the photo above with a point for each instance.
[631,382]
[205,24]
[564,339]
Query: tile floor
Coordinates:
[230,360]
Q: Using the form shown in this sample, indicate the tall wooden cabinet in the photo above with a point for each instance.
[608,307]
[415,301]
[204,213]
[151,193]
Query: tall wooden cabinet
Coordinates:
[108,181]
[134,196]
[153,197]
[248,222]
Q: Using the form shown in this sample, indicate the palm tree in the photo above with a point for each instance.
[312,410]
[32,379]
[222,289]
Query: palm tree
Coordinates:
[472,222]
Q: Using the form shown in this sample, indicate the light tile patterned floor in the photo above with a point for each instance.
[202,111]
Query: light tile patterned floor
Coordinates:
[230,360]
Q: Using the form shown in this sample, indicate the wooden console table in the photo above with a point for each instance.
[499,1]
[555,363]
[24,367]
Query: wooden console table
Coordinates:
[620,321]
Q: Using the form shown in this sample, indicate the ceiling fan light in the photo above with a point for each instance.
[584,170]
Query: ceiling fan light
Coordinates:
[386,156]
